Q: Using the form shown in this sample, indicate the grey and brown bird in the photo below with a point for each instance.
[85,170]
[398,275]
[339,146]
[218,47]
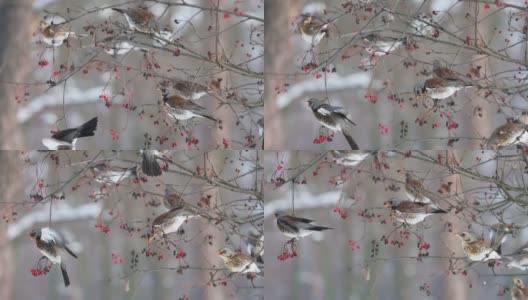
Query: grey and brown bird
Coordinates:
[55,34]
[296,227]
[312,29]
[511,133]
[411,212]
[415,190]
[238,262]
[104,173]
[180,109]
[189,89]
[172,198]
[439,88]
[349,158]
[477,249]
[66,139]
[333,118]
[518,291]
[170,221]
[54,247]
[140,19]
[445,73]
[378,45]
[149,164]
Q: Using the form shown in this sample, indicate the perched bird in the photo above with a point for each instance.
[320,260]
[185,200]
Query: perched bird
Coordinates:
[312,29]
[104,173]
[334,118]
[238,262]
[66,139]
[118,45]
[349,158]
[255,246]
[172,198]
[438,88]
[477,249]
[416,192]
[181,109]
[149,164]
[170,221]
[381,45]
[189,89]
[518,291]
[55,34]
[445,73]
[514,132]
[53,246]
[410,212]
[140,19]
[295,227]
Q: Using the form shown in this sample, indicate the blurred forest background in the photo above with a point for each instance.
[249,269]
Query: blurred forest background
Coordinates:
[370,256]
[107,225]
[49,88]
[484,41]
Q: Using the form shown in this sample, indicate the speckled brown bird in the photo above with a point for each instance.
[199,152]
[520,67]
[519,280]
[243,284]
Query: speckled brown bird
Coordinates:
[518,291]
[438,88]
[140,19]
[514,132]
[104,173]
[476,249]
[180,109]
[189,89]
[415,190]
[411,212]
[238,262]
[56,34]
[312,29]
[445,73]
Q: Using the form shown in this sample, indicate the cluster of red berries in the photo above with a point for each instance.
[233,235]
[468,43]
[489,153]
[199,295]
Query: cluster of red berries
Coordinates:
[286,255]
[102,227]
[40,271]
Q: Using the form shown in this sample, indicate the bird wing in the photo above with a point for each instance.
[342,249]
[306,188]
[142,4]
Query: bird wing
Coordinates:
[178,211]
[66,135]
[411,207]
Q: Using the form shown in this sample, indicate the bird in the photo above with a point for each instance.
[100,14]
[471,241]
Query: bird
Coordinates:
[172,198]
[334,118]
[140,19]
[170,221]
[149,164]
[238,262]
[514,132]
[518,291]
[381,45]
[55,34]
[439,88]
[255,246]
[312,29]
[518,259]
[189,90]
[349,158]
[416,192]
[53,246]
[295,227]
[410,212]
[119,45]
[181,109]
[445,73]
[66,139]
[477,249]
[104,173]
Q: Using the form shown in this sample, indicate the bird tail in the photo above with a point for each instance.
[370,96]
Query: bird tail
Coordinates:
[319,228]
[439,211]
[88,128]
[65,275]
[120,10]
[69,251]
[150,166]
[206,116]
[350,140]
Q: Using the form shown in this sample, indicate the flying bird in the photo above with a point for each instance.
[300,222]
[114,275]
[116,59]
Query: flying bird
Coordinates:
[53,246]
[180,109]
[477,249]
[312,29]
[410,212]
[238,262]
[149,164]
[140,19]
[104,173]
[66,139]
[55,34]
[170,221]
[518,291]
[334,118]
[295,227]
[349,158]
